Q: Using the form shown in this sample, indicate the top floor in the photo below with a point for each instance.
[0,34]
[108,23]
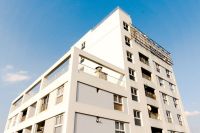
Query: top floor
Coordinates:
[87,63]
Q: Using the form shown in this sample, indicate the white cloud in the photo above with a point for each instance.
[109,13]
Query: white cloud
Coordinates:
[9,75]
[16,77]
[192,113]
[9,67]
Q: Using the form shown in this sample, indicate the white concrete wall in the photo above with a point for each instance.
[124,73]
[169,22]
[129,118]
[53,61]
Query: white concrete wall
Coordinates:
[105,40]
[88,124]
[89,95]
[49,125]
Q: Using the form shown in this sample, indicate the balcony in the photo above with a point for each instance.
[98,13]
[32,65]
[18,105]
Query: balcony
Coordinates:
[144,59]
[150,92]
[153,115]
[32,92]
[156,130]
[44,103]
[16,104]
[153,112]
[151,95]
[146,74]
[57,72]
[40,127]
[101,72]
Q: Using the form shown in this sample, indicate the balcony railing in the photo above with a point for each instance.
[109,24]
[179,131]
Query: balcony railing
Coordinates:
[146,76]
[102,75]
[153,115]
[144,61]
[151,95]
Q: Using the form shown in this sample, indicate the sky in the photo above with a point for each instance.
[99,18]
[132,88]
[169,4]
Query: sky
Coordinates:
[34,34]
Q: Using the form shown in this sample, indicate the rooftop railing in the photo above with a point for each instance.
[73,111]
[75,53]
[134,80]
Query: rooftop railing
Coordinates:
[150,45]
[101,74]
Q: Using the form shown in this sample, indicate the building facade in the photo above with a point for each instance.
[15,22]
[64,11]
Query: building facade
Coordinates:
[113,80]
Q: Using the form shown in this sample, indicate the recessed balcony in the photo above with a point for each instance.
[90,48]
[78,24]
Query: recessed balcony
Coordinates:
[153,112]
[101,72]
[150,92]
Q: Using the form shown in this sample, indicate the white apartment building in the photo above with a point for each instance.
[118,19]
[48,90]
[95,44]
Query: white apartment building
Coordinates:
[113,80]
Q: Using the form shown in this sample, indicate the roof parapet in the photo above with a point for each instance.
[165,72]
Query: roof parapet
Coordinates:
[150,45]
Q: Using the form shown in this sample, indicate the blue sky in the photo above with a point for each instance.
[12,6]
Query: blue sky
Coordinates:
[34,34]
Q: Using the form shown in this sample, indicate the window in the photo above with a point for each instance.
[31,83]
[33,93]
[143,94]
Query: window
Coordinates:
[175,102]
[127,41]
[146,74]
[119,127]
[40,127]
[153,112]
[179,119]
[59,97]
[129,56]
[137,117]
[134,93]
[83,45]
[44,103]
[164,98]
[168,73]
[169,116]
[118,103]
[131,74]
[156,130]
[58,124]
[161,81]
[149,92]
[125,26]
[157,67]
[144,59]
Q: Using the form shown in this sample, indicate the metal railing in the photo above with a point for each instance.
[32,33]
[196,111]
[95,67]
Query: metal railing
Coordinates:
[102,75]
[150,45]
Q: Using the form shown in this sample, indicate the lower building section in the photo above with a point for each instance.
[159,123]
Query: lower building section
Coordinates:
[94,124]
